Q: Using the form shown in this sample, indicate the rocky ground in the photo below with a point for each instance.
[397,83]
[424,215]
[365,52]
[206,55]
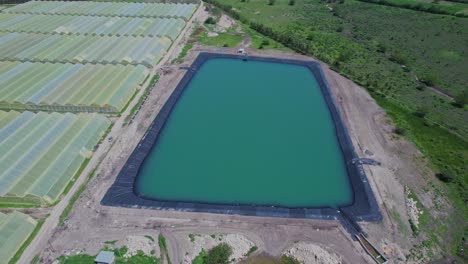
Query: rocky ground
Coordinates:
[197,242]
[309,253]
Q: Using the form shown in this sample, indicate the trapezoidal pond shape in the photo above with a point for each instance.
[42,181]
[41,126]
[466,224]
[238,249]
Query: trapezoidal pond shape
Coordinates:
[257,137]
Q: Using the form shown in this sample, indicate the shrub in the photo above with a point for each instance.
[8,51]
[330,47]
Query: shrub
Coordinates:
[210,20]
[271,2]
[429,80]
[420,87]
[414,228]
[445,176]
[266,259]
[398,58]
[252,250]
[289,260]
[219,254]
[420,112]
[291,2]
[461,99]
[399,131]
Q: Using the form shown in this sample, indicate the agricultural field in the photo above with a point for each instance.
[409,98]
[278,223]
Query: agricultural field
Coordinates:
[82,49]
[92,25]
[68,87]
[93,60]
[15,228]
[42,152]
[437,7]
[412,62]
[184,11]
[58,59]
[354,38]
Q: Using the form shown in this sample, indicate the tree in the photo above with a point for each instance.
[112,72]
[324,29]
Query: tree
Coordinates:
[210,20]
[292,2]
[461,99]
[445,176]
[420,112]
[271,2]
[219,254]
[289,260]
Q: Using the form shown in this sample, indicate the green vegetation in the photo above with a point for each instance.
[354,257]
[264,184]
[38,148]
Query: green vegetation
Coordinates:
[183,53]
[227,39]
[217,255]
[111,242]
[402,228]
[289,260]
[200,259]
[26,243]
[35,260]
[210,20]
[149,237]
[409,61]
[6,202]
[74,198]
[163,248]
[139,258]
[76,259]
[192,237]
[252,250]
[461,99]
[436,7]
[270,260]
[140,100]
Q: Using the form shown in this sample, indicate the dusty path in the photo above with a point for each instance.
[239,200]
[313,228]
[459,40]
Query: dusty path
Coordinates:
[52,221]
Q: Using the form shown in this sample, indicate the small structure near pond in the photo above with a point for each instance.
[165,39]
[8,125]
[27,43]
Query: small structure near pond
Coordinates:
[105,257]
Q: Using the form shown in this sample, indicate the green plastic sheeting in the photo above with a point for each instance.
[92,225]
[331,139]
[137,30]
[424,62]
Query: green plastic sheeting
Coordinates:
[107,88]
[34,47]
[42,152]
[92,25]
[105,9]
[15,228]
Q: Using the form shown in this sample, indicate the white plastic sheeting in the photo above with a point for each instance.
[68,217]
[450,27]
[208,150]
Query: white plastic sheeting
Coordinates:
[184,11]
[82,49]
[41,152]
[91,25]
[68,87]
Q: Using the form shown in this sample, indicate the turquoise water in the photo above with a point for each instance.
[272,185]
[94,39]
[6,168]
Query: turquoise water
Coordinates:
[248,133]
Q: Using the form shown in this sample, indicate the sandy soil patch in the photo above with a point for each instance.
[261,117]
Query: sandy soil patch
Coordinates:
[308,253]
[412,207]
[240,245]
[224,23]
[136,243]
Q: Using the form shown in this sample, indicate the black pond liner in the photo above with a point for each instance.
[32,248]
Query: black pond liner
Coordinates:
[362,208]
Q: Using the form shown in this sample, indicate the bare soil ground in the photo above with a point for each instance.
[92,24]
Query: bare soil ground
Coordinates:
[195,243]
[313,254]
[90,224]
